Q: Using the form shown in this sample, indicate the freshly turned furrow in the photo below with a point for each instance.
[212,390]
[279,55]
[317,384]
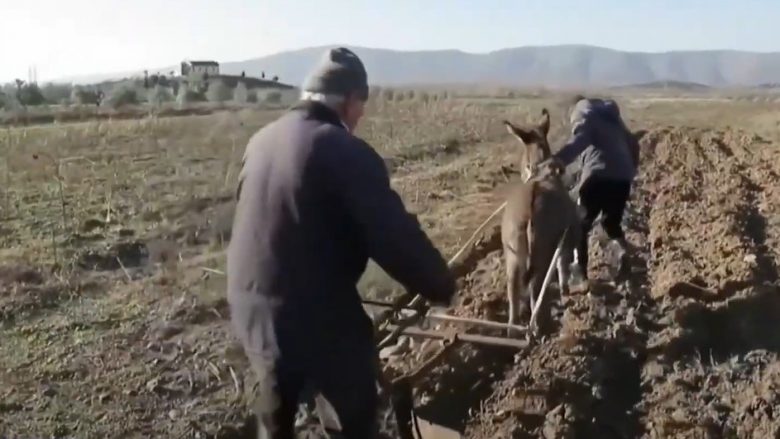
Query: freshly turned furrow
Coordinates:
[696,224]
[715,352]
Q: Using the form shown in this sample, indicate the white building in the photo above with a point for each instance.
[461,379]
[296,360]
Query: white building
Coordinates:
[194,67]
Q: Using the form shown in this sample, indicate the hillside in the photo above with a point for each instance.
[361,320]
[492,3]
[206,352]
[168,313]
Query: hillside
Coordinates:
[567,65]
[666,85]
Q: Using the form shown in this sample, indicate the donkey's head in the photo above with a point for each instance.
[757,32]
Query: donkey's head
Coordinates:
[534,140]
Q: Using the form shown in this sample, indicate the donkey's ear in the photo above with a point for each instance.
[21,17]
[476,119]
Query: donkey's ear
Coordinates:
[544,123]
[525,137]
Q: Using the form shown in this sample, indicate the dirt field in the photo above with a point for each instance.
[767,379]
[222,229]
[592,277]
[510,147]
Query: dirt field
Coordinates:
[113,321]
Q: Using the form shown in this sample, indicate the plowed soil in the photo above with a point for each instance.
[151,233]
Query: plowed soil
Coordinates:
[113,320]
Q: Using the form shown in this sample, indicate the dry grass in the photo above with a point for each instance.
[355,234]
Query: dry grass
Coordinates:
[110,325]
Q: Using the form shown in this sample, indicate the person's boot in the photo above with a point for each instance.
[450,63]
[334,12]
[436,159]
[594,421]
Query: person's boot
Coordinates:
[622,261]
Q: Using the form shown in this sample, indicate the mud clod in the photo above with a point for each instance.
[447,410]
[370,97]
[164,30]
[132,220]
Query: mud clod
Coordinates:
[126,254]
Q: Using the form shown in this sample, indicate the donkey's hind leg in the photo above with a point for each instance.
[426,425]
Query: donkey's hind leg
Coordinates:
[515,272]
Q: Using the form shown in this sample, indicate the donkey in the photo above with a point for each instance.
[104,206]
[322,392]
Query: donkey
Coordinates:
[539,216]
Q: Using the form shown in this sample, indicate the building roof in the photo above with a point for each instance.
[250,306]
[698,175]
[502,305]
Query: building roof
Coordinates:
[203,63]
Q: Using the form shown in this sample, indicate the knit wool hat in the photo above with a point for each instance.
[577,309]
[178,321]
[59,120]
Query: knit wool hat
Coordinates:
[339,72]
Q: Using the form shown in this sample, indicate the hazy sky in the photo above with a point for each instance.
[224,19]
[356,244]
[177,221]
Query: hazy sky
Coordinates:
[69,37]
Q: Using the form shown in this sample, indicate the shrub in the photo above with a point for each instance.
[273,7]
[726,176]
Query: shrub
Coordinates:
[82,96]
[159,95]
[274,97]
[121,96]
[30,94]
[187,95]
[388,94]
[196,96]
[218,91]
[55,93]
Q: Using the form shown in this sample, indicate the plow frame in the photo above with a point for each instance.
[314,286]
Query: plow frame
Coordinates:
[399,389]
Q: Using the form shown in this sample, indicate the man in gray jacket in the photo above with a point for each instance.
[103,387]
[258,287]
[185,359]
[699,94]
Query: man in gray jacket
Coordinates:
[609,159]
[314,203]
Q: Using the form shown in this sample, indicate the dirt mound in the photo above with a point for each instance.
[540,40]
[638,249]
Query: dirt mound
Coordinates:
[707,232]
[707,399]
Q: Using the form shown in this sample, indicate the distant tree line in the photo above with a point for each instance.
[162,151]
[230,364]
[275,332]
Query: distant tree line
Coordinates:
[154,89]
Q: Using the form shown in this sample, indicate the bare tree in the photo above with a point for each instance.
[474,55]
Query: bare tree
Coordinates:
[19,85]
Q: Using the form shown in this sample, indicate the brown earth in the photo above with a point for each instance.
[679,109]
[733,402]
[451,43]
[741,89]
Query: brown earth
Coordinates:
[113,322]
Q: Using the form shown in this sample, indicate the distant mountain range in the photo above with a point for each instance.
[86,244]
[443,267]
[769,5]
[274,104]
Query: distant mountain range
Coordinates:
[551,66]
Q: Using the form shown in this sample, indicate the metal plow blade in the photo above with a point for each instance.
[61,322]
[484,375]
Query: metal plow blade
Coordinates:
[429,430]
[327,414]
